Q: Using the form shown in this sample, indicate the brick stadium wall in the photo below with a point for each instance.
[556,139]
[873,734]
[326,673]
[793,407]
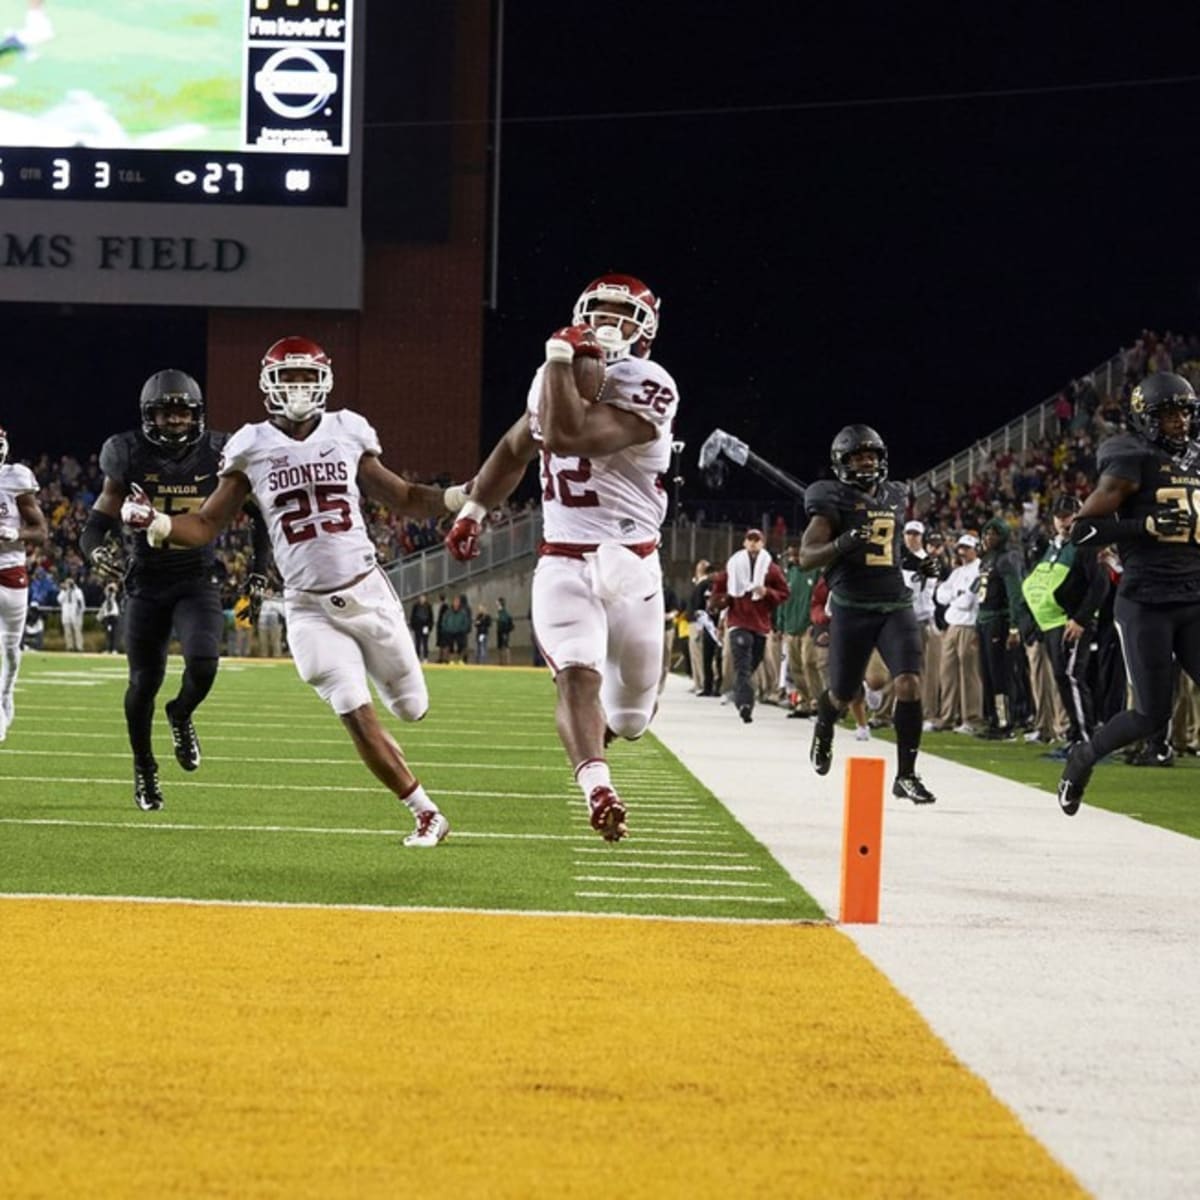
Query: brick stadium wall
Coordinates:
[411,361]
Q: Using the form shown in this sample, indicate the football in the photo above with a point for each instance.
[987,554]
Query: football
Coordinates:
[589,376]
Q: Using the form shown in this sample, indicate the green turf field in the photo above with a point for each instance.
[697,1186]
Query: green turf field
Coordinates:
[153,65]
[1166,796]
[282,809]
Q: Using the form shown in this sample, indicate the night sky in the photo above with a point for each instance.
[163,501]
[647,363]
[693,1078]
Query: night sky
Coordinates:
[924,222]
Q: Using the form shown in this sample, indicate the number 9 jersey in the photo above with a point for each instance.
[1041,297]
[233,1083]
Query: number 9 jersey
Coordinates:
[615,497]
[308,493]
[871,577]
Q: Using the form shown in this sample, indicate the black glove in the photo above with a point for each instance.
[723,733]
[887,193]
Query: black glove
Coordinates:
[108,559]
[850,541]
[256,589]
[1170,521]
[929,567]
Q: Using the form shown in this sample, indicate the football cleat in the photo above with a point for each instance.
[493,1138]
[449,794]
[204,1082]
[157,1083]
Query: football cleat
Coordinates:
[607,814]
[910,787]
[746,713]
[146,793]
[1074,779]
[820,753]
[187,744]
[432,828]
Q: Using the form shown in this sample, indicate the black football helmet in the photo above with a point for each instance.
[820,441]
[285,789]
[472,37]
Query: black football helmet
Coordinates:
[172,387]
[847,443]
[1156,395]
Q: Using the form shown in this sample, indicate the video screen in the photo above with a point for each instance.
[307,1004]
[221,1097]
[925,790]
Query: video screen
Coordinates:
[265,76]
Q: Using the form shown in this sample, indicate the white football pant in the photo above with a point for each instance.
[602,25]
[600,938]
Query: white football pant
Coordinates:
[340,640]
[605,613]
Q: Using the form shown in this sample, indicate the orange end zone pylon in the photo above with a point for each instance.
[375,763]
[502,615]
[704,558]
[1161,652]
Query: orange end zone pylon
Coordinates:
[862,841]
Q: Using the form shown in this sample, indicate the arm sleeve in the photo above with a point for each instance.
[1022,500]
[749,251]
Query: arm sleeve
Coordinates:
[99,526]
[260,539]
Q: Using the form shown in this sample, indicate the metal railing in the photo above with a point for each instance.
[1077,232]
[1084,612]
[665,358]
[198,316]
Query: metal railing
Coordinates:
[430,571]
[1021,432]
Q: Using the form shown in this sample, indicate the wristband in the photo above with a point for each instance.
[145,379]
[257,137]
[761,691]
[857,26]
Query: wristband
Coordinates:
[455,496]
[472,511]
[558,350]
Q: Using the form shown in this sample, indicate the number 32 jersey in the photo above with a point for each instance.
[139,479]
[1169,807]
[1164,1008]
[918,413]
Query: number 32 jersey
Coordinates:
[615,497]
[308,493]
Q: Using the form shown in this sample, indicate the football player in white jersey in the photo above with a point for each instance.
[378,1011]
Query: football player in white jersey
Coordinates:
[309,469]
[21,521]
[597,589]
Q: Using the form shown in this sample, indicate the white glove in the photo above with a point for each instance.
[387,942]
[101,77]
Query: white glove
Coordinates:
[8,533]
[138,513]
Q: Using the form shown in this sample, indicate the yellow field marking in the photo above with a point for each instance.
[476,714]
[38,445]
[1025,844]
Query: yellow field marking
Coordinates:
[186,1050]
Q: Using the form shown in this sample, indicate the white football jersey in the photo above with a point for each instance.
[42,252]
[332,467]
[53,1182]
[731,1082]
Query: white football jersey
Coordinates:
[308,493]
[16,479]
[616,497]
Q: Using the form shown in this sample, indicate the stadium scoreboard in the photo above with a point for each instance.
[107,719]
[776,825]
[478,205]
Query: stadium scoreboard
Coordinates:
[207,136]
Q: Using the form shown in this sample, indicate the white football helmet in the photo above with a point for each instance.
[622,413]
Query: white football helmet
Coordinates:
[643,307]
[296,400]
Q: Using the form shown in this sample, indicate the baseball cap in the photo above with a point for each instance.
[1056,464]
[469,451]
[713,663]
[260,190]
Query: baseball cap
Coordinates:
[914,527]
[755,533]
[968,539]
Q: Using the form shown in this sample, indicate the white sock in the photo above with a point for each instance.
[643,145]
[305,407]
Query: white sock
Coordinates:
[591,774]
[418,801]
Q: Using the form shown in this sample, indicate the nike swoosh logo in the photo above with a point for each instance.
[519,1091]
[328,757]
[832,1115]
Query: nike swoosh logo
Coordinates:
[327,450]
[202,478]
[1087,537]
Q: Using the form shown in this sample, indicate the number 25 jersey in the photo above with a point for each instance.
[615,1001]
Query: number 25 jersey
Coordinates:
[612,497]
[869,578]
[308,493]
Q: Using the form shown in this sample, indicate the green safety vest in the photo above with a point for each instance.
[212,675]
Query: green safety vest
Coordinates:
[1043,581]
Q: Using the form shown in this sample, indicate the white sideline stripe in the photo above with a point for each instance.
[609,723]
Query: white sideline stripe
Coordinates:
[733,883]
[458,910]
[635,866]
[377,790]
[677,896]
[634,850]
[340,831]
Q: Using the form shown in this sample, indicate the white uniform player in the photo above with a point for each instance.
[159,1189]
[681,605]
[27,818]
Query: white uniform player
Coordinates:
[597,591]
[308,471]
[21,521]
[344,620]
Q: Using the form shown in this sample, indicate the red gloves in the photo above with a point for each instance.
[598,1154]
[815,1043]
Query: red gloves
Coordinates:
[462,542]
[572,341]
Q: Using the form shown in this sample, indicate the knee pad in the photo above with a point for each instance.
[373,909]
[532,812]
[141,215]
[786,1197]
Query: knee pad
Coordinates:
[629,723]
[409,703]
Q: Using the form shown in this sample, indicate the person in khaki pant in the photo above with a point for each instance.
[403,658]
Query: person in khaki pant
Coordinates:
[962,689]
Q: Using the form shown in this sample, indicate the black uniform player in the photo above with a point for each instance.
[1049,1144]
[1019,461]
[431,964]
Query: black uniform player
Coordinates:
[855,531]
[1148,502]
[175,459]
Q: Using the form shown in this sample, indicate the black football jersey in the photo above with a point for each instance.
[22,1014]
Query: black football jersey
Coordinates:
[175,483]
[1168,570]
[871,577]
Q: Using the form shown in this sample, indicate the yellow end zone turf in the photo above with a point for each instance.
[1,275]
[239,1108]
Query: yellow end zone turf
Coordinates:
[167,1049]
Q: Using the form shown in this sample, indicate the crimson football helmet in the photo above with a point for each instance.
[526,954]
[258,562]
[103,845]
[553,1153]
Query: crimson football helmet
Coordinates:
[168,389]
[301,399]
[619,289]
[3,446]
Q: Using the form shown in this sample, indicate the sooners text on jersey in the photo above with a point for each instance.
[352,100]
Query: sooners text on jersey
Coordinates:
[618,497]
[308,493]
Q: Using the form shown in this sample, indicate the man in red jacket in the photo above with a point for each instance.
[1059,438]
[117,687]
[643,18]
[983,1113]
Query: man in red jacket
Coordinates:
[751,587]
